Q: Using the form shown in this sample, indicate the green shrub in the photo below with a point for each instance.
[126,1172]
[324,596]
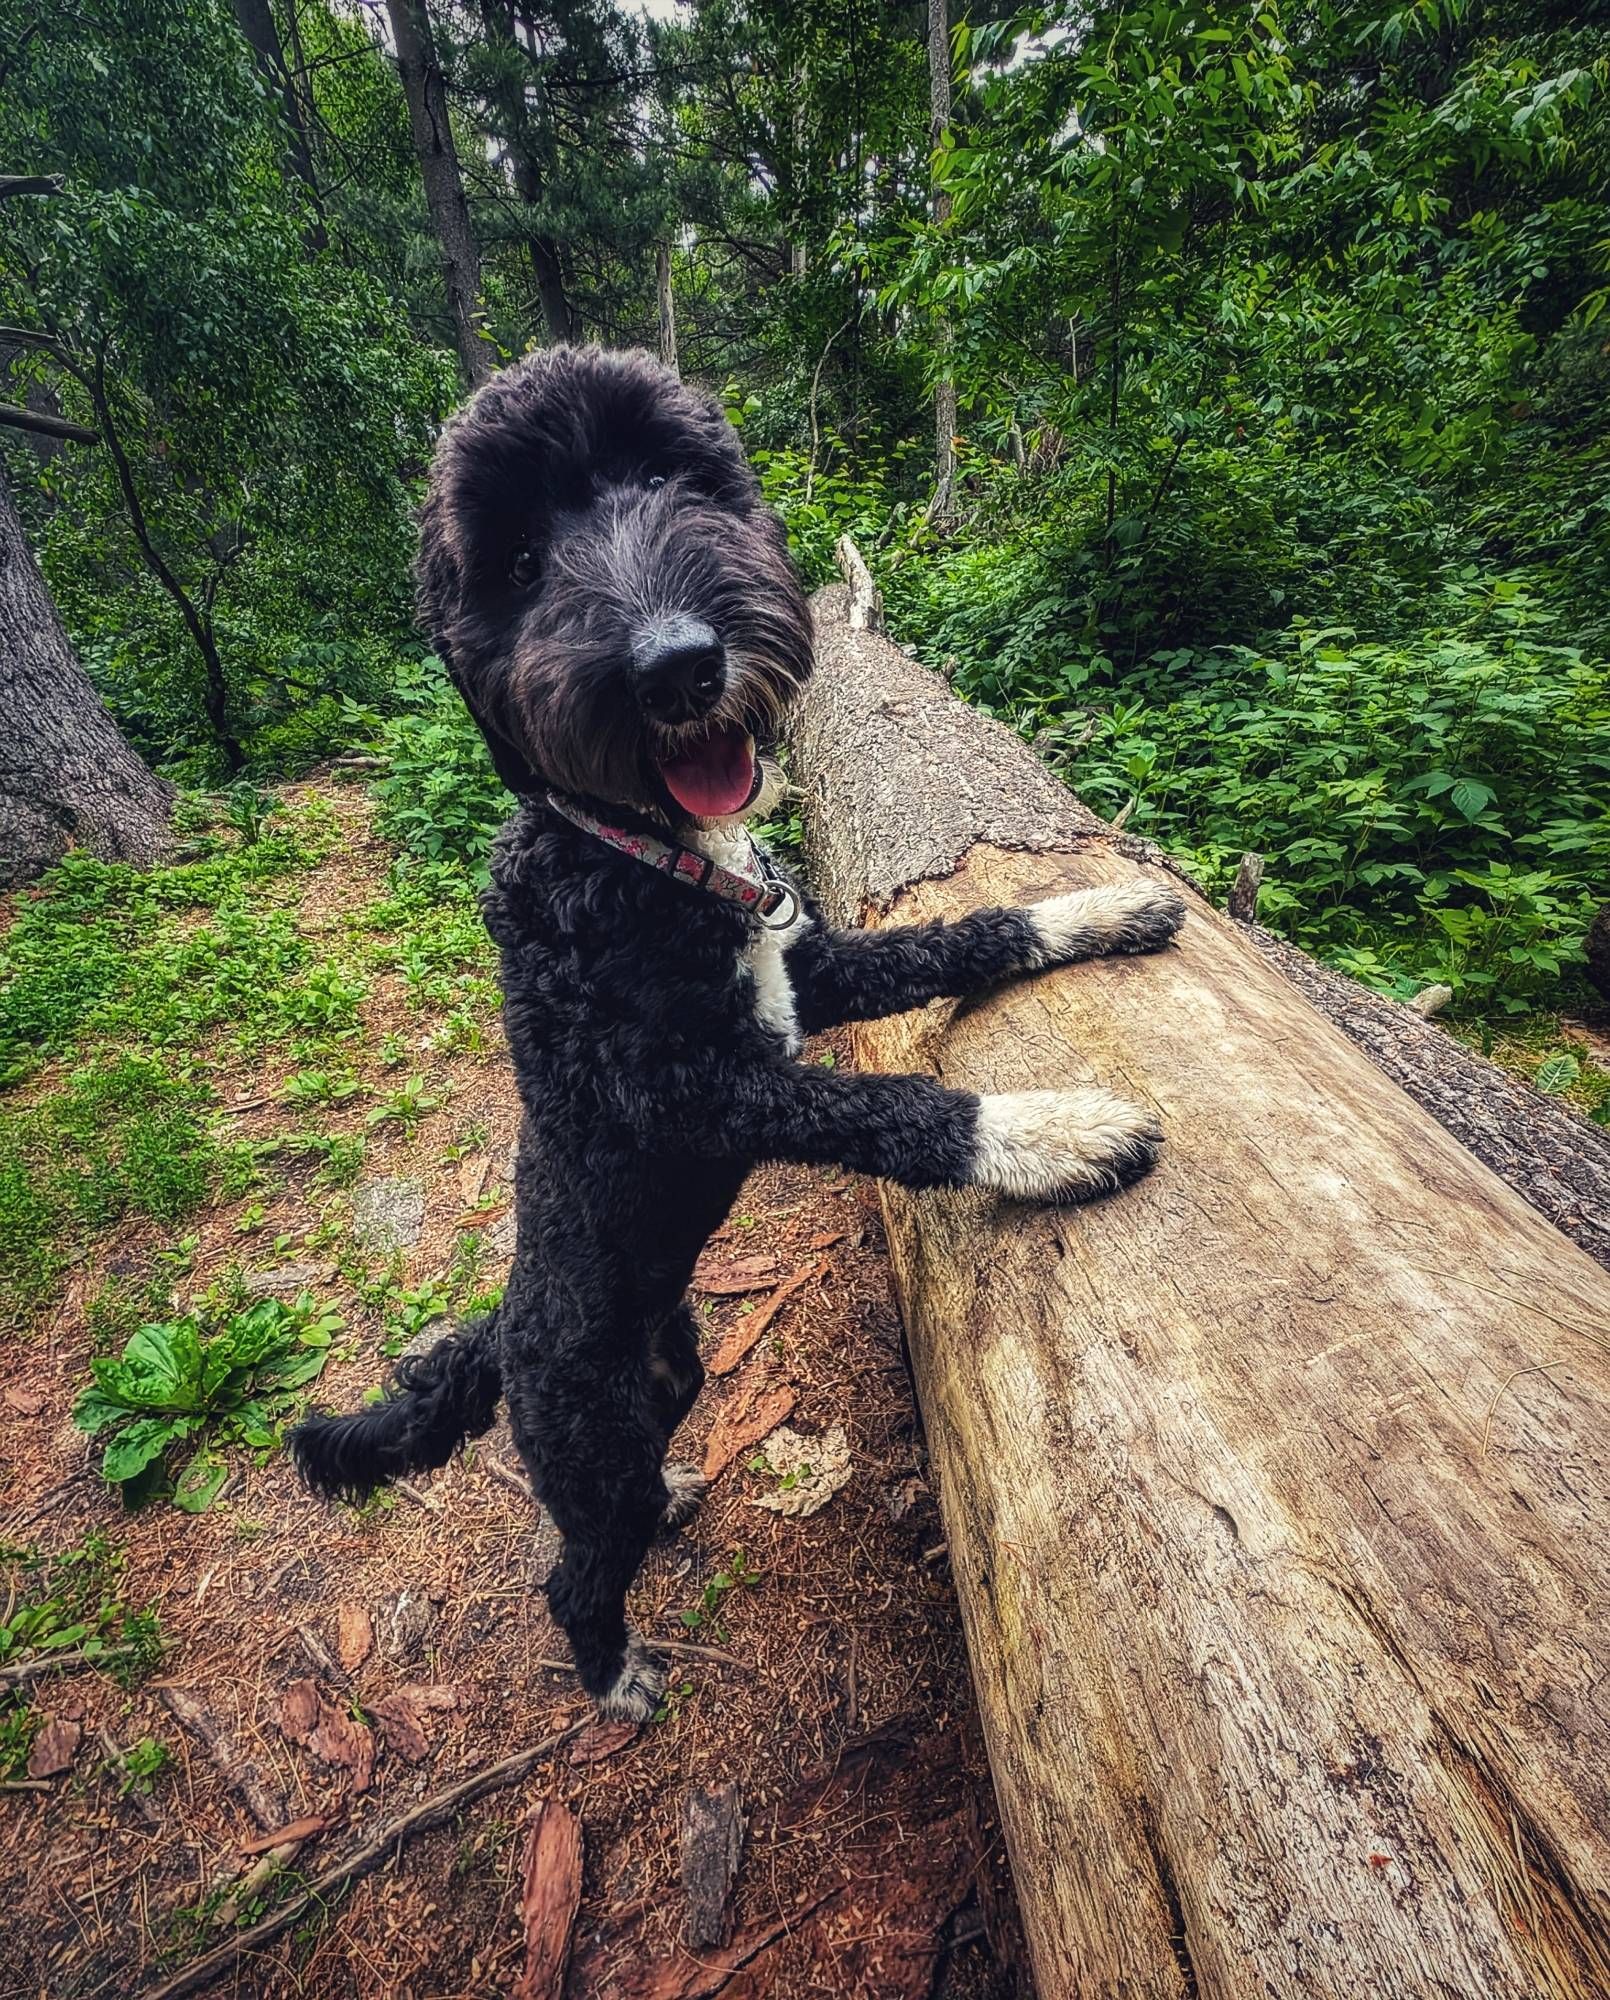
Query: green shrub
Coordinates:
[1437,809]
[441,798]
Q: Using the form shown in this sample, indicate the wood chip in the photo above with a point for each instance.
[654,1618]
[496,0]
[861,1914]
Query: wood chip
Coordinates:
[332,1736]
[742,1338]
[711,1826]
[550,1899]
[354,1635]
[55,1747]
[27,1402]
[264,1799]
[401,1718]
[719,1277]
[600,1740]
[744,1419]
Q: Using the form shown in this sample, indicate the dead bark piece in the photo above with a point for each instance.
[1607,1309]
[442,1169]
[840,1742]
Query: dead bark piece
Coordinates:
[711,1825]
[742,1338]
[601,1740]
[889,1816]
[550,1900]
[354,1635]
[753,1413]
[721,1278]
[334,1738]
[1243,903]
[381,1846]
[1266,1482]
[264,1799]
[401,1717]
[54,1748]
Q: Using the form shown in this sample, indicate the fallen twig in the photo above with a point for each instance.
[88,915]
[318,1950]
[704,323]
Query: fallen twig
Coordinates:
[364,1859]
[18,1671]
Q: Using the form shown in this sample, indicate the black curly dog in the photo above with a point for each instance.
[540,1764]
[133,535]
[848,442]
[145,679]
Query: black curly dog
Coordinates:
[620,612]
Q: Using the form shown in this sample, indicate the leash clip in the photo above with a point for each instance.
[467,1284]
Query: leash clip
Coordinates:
[778,896]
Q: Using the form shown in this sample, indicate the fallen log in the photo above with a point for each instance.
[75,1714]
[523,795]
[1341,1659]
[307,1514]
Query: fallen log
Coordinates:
[1274,1487]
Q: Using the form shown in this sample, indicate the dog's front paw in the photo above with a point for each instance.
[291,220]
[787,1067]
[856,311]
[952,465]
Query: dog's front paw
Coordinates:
[1062,1145]
[1089,923]
[686,1486]
[635,1692]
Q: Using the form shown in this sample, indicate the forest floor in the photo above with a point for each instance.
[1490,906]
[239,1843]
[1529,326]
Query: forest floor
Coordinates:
[349,1664]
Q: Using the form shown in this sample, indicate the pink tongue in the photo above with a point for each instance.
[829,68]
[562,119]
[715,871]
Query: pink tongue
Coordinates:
[714,777]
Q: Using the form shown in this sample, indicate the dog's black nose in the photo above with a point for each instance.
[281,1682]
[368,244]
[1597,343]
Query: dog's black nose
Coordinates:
[679,668]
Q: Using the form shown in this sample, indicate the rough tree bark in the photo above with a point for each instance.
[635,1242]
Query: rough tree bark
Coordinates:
[547,268]
[67,775]
[942,508]
[1275,1487]
[428,120]
[667,299]
[262,35]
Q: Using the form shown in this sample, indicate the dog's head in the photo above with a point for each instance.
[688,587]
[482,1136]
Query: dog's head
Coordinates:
[606,587]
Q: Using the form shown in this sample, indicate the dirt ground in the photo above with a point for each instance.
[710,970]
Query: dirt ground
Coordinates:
[352,1664]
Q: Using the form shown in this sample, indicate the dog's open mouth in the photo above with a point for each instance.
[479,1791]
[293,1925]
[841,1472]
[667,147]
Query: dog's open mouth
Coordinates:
[715,775]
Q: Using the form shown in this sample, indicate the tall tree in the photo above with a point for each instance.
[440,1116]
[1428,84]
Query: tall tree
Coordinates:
[426,91]
[257,24]
[507,86]
[942,509]
[68,776]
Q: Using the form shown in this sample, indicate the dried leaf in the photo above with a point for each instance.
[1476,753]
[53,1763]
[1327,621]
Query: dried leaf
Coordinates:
[354,1635]
[603,1739]
[811,1469]
[744,1335]
[28,1402]
[55,1747]
[294,1834]
[551,1896]
[307,1718]
[753,1413]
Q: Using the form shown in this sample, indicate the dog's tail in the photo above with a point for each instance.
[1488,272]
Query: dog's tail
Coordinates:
[435,1401]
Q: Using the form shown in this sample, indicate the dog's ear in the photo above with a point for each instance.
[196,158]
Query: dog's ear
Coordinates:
[438,585]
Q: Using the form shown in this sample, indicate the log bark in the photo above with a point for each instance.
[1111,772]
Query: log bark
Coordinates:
[68,776]
[1274,1487]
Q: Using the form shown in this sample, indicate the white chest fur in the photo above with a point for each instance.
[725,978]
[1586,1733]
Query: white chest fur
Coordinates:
[763,957]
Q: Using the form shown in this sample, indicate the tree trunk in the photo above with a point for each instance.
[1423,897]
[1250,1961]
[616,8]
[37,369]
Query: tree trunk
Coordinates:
[257,25]
[942,508]
[67,775]
[1274,1487]
[667,298]
[547,269]
[432,130]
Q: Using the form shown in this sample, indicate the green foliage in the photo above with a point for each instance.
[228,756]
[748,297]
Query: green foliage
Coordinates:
[1437,810]
[440,798]
[69,1602]
[123,1137]
[228,1382]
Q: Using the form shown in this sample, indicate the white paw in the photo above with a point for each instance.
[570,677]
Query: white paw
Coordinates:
[687,1486]
[1121,916]
[637,1688]
[1062,1145]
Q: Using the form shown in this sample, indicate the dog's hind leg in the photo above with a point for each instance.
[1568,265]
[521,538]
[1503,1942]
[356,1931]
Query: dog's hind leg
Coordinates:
[677,1374]
[594,1443]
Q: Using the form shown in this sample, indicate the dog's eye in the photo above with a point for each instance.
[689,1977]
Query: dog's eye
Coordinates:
[523,568]
[654,481]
